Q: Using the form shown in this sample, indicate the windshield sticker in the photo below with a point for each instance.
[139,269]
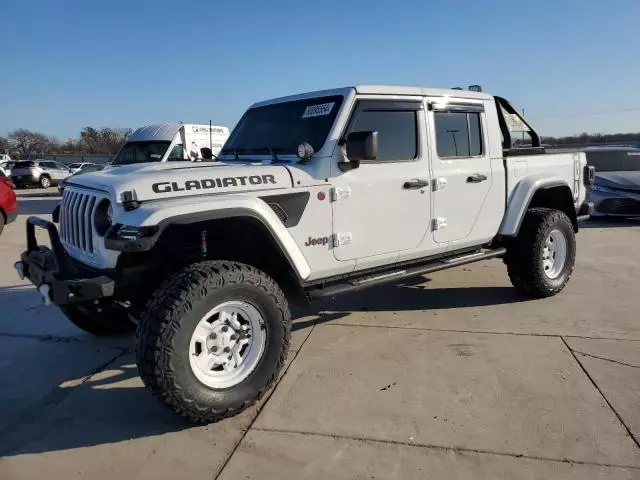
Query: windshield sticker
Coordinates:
[318,110]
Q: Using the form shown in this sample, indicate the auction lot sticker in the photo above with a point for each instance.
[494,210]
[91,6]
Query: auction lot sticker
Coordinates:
[318,110]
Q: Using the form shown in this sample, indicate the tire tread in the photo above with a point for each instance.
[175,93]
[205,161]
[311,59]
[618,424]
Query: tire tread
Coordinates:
[163,312]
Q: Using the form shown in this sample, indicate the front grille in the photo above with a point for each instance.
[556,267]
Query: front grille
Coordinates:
[620,206]
[76,218]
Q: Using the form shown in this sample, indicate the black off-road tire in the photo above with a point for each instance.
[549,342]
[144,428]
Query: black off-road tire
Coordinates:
[524,254]
[102,320]
[169,319]
[45,181]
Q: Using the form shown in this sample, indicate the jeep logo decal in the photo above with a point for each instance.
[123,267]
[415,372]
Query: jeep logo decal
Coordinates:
[206,183]
[316,241]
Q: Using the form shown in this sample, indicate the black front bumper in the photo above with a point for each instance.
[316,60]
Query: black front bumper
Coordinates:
[69,281]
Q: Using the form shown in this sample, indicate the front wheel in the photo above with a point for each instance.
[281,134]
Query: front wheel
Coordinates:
[45,182]
[213,339]
[540,260]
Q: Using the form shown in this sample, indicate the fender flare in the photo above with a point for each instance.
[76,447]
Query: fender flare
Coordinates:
[160,216]
[521,199]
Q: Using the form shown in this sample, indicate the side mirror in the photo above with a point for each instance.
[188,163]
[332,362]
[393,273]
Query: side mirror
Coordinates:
[359,146]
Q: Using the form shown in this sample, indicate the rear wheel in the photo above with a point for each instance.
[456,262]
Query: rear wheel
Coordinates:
[213,339]
[99,319]
[540,260]
[45,182]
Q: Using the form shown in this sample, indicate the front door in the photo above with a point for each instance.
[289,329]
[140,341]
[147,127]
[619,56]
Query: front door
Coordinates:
[383,206]
[461,168]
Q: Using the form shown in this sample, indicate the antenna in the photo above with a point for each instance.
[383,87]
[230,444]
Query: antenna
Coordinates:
[210,143]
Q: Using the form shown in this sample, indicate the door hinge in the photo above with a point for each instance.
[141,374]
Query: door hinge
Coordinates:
[438,184]
[439,223]
[340,193]
[341,238]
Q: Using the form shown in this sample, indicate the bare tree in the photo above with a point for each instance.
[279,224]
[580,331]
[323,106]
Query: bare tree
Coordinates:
[103,140]
[27,142]
[4,145]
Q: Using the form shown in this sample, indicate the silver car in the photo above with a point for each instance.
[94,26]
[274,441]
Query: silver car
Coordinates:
[43,173]
[616,190]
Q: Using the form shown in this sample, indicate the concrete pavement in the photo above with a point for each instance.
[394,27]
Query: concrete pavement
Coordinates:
[451,376]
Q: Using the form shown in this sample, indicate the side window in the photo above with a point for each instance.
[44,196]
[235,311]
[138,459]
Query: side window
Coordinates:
[48,165]
[458,134]
[397,132]
[177,153]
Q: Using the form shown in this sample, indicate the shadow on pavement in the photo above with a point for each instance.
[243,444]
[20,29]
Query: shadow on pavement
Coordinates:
[416,296]
[37,206]
[111,407]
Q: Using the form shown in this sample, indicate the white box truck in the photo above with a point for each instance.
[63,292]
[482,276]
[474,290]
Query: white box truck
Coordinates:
[172,142]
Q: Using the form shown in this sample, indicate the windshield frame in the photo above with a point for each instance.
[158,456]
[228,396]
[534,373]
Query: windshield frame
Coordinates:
[273,150]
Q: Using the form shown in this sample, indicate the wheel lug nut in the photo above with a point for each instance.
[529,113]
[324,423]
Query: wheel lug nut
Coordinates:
[214,349]
[213,336]
[234,336]
[226,350]
[225,328]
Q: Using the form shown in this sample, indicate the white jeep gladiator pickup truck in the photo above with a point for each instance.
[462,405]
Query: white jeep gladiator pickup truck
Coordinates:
[313,195]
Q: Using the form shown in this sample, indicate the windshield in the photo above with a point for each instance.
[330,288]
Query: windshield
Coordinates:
[75,165]
[141,152]
[614,161]
[281,127]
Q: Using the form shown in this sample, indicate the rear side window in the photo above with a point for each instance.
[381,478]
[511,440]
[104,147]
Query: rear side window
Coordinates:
[458,134]
[397,132]
[24,165]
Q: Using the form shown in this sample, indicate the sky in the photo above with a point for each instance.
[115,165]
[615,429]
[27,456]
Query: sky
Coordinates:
[572,65]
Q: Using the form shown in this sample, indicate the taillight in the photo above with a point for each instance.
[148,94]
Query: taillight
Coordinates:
[589,175]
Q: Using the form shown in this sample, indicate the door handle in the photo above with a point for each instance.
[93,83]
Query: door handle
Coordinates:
[415,184]
[476,178]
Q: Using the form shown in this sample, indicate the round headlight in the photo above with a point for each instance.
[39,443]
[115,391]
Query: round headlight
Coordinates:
[103,217]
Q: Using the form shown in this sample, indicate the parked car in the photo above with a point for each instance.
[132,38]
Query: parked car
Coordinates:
[8,203]
[76,167]
[39,172]
[88,167]
[6,166]
[616,190]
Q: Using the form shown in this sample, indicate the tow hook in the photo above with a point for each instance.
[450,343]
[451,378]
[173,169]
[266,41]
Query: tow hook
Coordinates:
[19,266]
[44,290]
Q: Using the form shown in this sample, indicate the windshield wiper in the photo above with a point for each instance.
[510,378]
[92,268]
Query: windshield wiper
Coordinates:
[234,150]
[273,151]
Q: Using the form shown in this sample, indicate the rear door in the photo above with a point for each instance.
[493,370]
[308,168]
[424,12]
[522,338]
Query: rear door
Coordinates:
[461,167]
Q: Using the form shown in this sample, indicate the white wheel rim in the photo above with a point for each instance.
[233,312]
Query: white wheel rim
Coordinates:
[227,344]
[554,254]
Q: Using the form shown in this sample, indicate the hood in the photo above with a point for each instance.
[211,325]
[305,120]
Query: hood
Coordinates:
[629,180]
[172,180]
